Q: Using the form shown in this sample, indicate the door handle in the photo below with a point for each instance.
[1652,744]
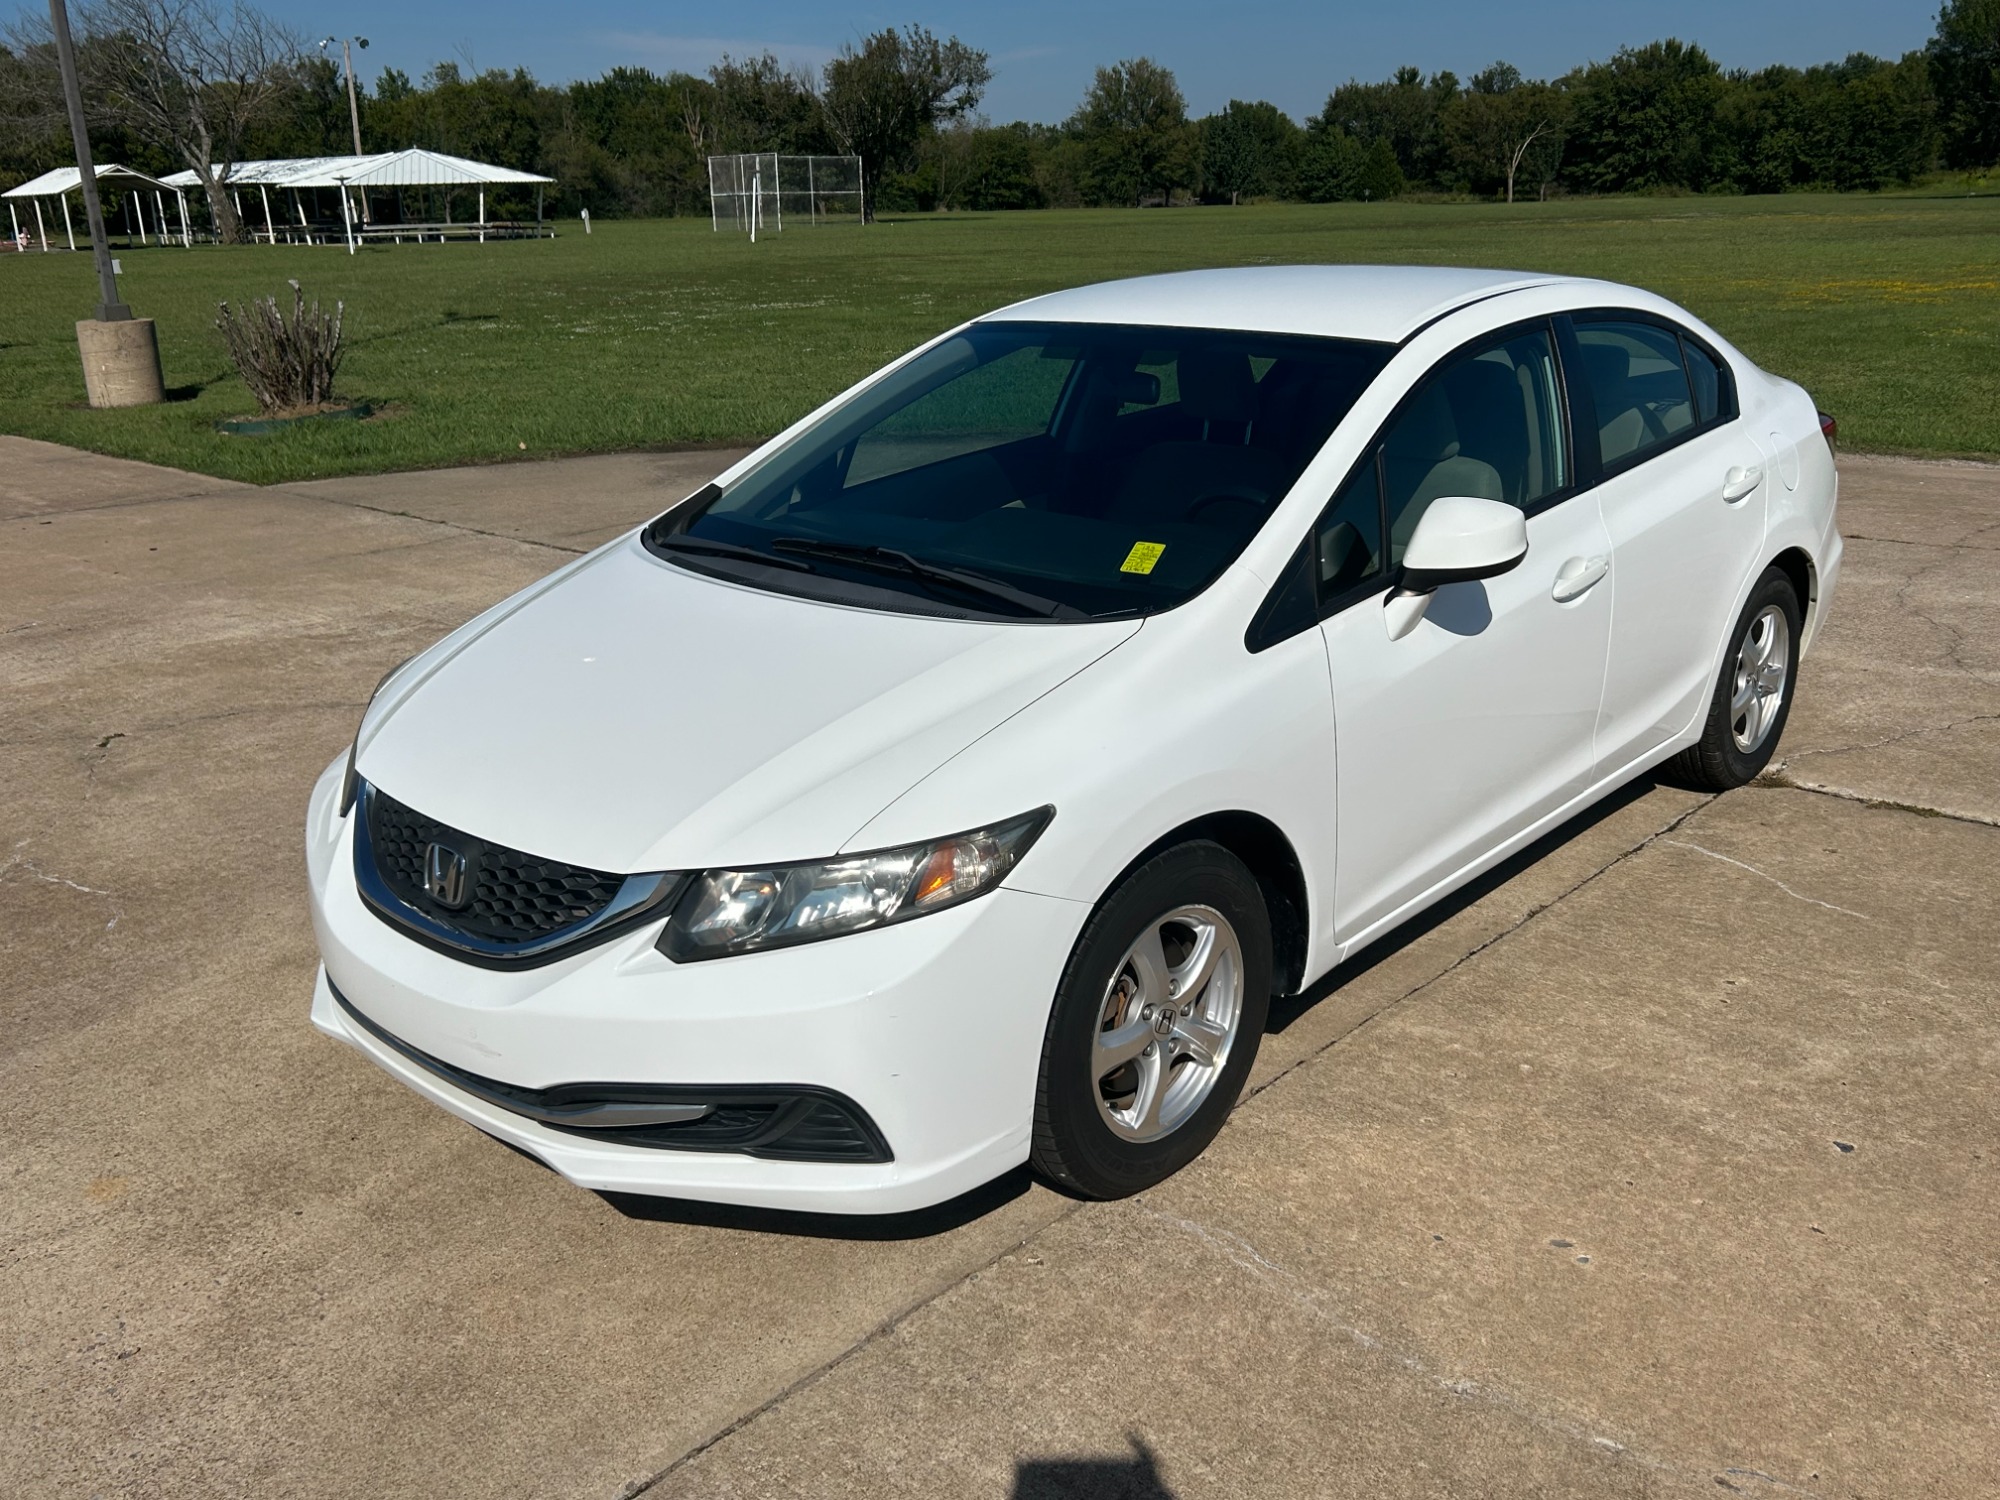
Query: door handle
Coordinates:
[1740,481]
[1578,576]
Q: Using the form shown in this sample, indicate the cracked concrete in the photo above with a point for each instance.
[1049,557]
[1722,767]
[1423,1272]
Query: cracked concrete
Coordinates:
[1658,1162]
[1902,704]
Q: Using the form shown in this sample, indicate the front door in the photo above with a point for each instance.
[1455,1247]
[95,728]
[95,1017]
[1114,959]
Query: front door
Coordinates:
[1478,722]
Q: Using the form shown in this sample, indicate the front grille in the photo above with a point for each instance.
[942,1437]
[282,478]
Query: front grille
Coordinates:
[783,1122]
[511,897]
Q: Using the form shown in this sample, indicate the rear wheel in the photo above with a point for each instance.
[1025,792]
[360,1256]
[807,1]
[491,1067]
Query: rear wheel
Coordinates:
[1155,1024]
[1753,697]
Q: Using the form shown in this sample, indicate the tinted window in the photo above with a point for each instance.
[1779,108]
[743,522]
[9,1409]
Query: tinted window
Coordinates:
[1001,401]
[1706,376]
[1111,470]
[1487,424]
[1638,385]
[1348,540]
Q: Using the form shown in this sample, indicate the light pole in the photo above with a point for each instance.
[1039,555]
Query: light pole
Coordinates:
[347,56]
[353,107]
[121,353]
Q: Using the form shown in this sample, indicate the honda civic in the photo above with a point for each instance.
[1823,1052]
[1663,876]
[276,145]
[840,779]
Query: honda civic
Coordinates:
[956,780]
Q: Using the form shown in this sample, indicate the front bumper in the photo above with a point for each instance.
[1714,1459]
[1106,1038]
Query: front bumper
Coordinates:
[932,1027]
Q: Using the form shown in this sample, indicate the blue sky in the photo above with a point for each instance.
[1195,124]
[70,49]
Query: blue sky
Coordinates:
[1288,51]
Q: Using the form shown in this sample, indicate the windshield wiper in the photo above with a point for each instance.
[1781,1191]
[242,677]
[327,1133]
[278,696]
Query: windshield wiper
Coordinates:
[893,560]
[680,541]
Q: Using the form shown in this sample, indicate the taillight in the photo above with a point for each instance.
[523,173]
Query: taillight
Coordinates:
[1828,429]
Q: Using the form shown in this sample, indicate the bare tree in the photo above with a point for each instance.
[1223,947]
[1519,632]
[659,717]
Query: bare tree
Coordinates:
[1503,127]
[189,76]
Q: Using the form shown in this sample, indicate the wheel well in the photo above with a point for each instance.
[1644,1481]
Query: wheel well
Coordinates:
[1798,567]
[1263,847]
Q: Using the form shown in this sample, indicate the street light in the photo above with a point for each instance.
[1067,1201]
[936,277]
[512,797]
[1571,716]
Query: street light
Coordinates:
[347,56]
[353,109]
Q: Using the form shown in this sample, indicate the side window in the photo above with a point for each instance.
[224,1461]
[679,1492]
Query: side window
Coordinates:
[1010,398]
[1488,424]
[1638,385]
[1706,377]
[1347,543]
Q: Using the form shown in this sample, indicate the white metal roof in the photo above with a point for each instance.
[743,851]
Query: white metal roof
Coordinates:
[1385,303]
[412,168]
[419,168]
[67,180]
[280,172]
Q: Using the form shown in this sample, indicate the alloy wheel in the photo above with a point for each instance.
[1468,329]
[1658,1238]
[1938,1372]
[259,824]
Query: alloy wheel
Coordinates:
[1169,1019]
[1763,667]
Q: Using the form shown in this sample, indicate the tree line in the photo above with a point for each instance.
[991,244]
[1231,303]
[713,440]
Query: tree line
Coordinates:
[1663,117]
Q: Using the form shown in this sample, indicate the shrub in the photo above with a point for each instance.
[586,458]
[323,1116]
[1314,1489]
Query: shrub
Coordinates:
[288,363]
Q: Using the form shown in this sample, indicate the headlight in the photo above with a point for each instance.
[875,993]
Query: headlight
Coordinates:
[349,785]
[744,911]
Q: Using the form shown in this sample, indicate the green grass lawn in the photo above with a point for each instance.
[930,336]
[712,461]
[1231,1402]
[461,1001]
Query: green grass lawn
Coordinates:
[655,334]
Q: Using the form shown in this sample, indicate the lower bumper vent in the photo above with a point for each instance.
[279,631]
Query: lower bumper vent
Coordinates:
[778,1121]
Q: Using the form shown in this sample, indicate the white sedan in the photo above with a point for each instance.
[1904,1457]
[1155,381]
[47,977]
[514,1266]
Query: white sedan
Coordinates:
[954,782]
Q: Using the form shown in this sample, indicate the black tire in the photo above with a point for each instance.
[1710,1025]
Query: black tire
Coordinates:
[1074,1146]
[1716,762]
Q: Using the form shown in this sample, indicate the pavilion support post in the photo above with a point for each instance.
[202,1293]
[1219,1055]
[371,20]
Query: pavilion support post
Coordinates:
[40,227]
[160,203]
[138,202]
[270,229]
[347,217]
[17,223]
[482,216]
[187,232]
[69,229]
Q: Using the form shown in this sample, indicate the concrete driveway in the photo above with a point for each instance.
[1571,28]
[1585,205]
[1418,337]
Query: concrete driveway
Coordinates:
[1663,1162]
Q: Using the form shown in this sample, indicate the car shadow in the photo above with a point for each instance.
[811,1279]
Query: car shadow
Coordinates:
[917,1225]
[1134,1478]
[1289,1009]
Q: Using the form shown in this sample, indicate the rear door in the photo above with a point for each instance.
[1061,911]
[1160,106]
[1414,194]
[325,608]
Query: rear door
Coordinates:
[1681,488]
[1478,722]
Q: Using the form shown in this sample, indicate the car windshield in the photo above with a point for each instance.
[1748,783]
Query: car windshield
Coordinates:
[1024,470]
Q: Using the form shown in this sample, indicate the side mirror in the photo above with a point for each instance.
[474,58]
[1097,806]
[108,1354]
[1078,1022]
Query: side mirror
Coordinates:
[1458,538]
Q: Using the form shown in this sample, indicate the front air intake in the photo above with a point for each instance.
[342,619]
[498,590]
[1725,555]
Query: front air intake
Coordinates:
[779,1121]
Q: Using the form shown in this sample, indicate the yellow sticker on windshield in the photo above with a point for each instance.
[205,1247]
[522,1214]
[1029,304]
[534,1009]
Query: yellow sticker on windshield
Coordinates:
[1142,557]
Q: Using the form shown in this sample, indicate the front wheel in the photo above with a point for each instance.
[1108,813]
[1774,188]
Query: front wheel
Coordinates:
[1753,698]
[1155,1024]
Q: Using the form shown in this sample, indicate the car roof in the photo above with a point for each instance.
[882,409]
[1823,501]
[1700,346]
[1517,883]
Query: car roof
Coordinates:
[1382,303]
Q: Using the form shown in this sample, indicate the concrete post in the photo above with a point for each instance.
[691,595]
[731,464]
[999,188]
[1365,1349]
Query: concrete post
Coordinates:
[121,362]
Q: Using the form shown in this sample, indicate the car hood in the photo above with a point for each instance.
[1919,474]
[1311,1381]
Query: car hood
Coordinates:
[638,716]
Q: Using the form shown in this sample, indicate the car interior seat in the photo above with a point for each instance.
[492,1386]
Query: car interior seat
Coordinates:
[1217,477]
[1423,460]
[1623,425]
